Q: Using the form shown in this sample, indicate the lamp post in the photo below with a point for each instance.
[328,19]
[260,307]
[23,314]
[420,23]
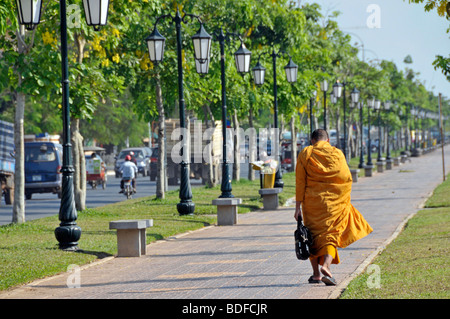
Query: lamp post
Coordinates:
[370,105]
[242,59]
[324,87]
[29,11]
[361,156]
[407,130]
[387,107]
[202,45]
[291,70]
[378,108]
[339,90]
[311,103]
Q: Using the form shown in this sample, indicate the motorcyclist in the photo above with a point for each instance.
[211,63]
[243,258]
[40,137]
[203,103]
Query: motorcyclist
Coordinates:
[129,171]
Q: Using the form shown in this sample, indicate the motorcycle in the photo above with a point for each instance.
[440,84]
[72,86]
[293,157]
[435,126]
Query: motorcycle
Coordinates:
[127,189]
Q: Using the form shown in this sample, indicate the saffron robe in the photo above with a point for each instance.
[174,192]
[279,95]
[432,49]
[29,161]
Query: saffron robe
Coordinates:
[323,186]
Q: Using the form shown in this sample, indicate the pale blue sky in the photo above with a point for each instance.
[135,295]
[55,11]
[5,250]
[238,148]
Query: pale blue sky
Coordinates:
[404,29]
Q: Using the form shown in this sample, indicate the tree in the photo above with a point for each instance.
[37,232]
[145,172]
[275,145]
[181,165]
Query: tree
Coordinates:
[442,8]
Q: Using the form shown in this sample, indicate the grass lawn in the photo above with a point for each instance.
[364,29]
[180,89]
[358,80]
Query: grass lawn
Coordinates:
[415,264]
[29,251]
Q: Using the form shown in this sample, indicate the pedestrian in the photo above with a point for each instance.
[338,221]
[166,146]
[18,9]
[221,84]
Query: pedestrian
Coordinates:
[323,188]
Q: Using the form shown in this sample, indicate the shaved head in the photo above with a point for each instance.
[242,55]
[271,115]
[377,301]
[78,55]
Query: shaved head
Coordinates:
[319,135]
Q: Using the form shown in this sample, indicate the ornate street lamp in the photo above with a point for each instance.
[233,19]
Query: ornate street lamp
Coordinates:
[291,70]
[29,13]
[337,89]
[202,68]
[68,233]
[202,47]
[96,12]
[355,95]
[333,99]
[155,43]
[259,73]
[242,59]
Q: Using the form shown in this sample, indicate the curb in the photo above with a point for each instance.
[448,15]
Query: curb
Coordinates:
[336,293]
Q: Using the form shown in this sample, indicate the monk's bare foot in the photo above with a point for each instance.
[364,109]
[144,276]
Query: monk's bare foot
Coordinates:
[325,271]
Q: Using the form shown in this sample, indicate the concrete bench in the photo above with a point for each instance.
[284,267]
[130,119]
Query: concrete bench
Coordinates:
[131,236]
[368,170]
[380,166]
[389,164]
[270,197]
[355,173]
[227,210]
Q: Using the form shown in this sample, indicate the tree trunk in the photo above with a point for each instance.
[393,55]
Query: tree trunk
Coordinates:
[18,214]
[210,174]
[293,145]
[237,162]
[215,168]
[79,165]
[161,175]
[79,161]
[19,171]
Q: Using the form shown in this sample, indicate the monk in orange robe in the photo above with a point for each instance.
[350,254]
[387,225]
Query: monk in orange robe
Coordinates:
[323,187]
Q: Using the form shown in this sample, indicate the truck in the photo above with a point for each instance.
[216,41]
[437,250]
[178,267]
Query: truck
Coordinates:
[7,161]
[198,166]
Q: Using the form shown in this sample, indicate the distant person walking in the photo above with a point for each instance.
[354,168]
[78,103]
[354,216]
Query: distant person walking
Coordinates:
[323,188]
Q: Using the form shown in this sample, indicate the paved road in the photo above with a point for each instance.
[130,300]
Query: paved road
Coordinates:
[42,205]
[254,259]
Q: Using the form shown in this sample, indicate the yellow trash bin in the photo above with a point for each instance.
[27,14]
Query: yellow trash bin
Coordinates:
[269,180]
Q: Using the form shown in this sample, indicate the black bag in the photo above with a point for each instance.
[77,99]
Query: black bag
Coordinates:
[303,240]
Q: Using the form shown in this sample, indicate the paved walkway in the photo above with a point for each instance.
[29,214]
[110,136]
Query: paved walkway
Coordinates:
[254,259]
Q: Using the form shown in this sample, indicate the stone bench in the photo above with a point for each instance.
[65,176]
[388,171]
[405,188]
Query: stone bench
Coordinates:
[368,170]
[131,236]
[389,164]
[404,158]
[380,166]
[355,173]
[270,197]
[227,210]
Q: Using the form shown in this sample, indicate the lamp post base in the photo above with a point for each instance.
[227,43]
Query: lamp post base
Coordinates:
[186,207]
[68,236]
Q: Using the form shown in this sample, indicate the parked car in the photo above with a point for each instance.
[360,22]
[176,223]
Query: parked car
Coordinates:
[153,163]
[139,155]
[43,163]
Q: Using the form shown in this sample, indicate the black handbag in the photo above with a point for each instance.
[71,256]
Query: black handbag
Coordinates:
[303,240]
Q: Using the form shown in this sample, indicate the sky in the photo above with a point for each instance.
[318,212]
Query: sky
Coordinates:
[391,30]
